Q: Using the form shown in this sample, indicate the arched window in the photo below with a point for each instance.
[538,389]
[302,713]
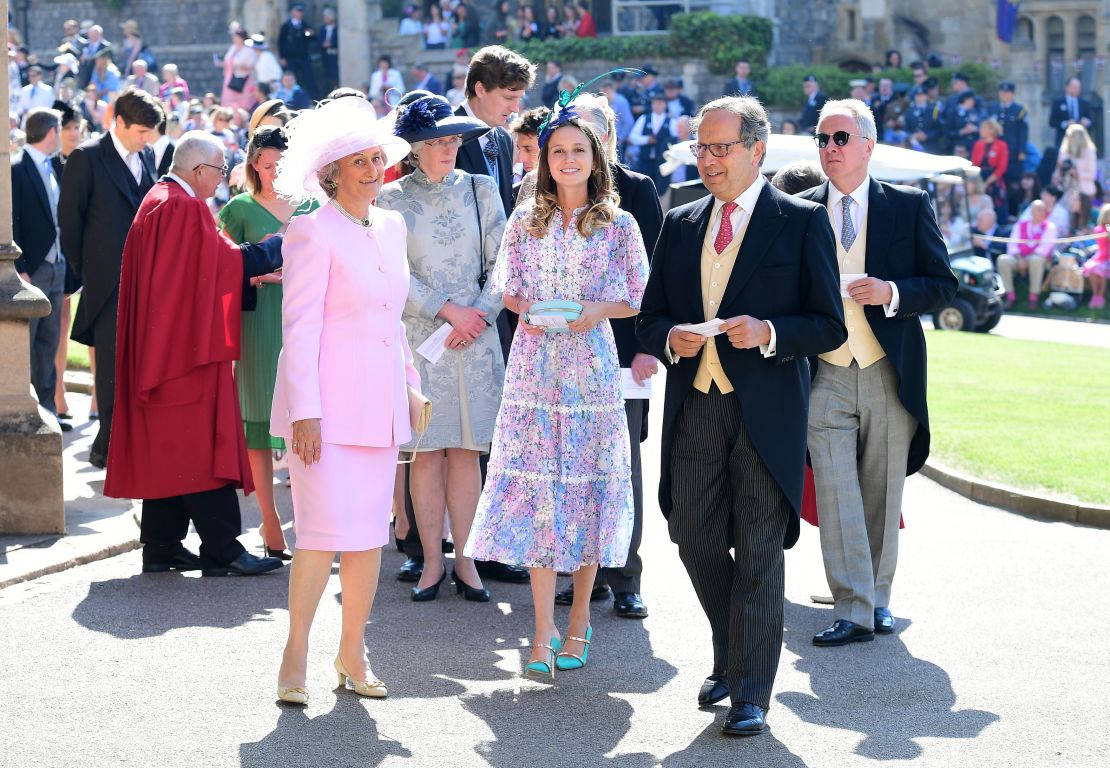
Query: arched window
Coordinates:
[1055,59]
[1023,35]
[1085,50]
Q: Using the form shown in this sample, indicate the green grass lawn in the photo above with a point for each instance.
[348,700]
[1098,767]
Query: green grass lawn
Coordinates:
[1031,414]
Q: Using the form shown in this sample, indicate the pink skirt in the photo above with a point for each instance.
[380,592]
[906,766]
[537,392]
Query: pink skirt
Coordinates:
[344,503]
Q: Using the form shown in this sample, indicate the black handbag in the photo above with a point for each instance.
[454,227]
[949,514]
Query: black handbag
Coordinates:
[237,83]
[482,277]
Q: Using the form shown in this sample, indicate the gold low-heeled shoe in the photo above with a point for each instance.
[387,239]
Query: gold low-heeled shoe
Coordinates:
[374,689]
[297,695]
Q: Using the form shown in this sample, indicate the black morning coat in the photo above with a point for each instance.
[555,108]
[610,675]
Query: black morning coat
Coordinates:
[904,246]
[786,272]
[99,198]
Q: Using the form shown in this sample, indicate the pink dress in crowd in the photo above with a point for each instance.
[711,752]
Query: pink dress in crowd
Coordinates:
[1099,264]
[346,361]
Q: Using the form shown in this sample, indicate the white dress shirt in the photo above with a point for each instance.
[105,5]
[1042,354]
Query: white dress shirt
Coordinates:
[740,217]
[858,213]
[130,159]
[184,184]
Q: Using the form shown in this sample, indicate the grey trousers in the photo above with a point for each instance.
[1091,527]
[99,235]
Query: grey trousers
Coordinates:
[627,577]
[46,331]
[725,499]
[859,440]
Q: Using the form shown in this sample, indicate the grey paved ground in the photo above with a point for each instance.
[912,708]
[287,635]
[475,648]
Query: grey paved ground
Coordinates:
[1000,660]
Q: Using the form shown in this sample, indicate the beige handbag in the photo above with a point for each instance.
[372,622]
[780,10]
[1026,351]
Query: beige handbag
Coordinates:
[420,417]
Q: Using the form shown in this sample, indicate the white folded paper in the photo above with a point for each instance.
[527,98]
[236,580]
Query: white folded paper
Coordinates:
[707,329]
[848,279]
[548,321]
[433,347]
[631,390]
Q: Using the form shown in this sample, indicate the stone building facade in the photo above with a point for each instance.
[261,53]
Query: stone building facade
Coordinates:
[1055,38]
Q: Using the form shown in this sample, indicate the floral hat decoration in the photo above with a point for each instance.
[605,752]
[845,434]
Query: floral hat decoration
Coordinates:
[563,108]
[431,117]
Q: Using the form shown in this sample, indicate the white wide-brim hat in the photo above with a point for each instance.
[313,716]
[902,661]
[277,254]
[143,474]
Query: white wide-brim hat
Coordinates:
[323,135]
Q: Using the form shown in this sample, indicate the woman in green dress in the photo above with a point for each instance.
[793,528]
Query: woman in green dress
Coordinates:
[250,217]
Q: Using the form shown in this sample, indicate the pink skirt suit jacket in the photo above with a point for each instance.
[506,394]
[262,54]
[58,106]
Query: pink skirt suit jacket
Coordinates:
[346,361]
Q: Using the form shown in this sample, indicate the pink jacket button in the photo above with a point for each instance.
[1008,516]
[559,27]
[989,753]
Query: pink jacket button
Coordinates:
[387,342]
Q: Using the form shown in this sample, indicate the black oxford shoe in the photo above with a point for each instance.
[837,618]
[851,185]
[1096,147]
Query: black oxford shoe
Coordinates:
[714,689]
[745,719]
[411,570]
[160,559]
[843,632]
[244,565]
[513,574]
[629,605]
[884,621]
[597,594]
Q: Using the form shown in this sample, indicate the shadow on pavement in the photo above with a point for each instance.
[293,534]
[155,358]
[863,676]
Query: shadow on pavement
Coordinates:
[712,748]
[851,682]
[347,735]
[152,604]
[582,716]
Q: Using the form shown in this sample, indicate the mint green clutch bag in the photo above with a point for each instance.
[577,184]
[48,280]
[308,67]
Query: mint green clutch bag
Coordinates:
[540,313]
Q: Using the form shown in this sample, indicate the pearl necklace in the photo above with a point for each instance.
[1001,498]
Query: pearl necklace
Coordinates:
[349,216]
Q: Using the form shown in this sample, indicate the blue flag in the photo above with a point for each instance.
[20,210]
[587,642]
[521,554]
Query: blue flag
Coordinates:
[1006,20]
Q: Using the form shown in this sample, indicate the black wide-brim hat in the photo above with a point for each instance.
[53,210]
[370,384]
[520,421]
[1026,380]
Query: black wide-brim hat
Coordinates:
[431,117]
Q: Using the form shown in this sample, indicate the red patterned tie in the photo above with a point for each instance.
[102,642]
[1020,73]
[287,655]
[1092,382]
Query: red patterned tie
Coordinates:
[724,234]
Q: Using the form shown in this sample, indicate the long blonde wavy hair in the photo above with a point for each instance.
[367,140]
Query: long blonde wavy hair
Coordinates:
[601,198]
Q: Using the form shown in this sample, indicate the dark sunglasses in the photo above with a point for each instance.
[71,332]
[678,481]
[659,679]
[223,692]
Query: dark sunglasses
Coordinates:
[223,169]
[840,138]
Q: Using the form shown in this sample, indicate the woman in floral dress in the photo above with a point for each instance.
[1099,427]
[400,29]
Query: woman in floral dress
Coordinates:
[558,492]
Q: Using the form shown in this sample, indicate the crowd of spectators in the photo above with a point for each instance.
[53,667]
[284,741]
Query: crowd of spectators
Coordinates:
[454,24]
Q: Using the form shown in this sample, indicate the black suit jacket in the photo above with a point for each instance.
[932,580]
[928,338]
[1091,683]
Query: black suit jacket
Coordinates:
[293,42]
[34,227]
[807,122]
[904,246]
[471,160]
[1059,119]
[638,197]
[98,202]
[786,272]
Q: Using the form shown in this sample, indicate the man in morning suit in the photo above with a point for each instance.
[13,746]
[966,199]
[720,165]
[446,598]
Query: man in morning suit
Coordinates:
[1068,109]
[495,84]
[734,413]
[105,180]
[868,420]
[35,230]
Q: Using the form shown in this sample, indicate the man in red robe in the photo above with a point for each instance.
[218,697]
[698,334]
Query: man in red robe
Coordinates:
[177,441]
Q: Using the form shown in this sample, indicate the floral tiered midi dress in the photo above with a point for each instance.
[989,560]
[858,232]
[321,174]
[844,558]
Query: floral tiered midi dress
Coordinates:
[558,491]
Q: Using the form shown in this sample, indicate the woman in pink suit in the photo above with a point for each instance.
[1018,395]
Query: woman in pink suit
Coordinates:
[341,398]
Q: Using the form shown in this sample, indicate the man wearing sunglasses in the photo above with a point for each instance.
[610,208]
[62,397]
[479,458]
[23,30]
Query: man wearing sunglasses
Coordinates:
[868,420]
[734,413]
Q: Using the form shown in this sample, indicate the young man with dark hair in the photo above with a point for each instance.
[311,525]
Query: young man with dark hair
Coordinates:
[105,180]
[525,130]
[35,231]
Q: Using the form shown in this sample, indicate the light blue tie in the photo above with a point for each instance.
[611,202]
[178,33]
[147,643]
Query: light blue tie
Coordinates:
[847,227]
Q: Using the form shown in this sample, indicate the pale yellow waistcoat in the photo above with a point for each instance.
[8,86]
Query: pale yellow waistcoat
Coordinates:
[861,346]
[715,272]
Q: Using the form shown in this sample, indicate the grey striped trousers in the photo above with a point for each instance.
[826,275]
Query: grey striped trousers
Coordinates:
[725,499]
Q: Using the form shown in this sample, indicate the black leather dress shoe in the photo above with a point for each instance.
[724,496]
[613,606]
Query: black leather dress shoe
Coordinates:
[513,574]
[98,461]
[597,594]
[160,559]
[884,621]
[714,689]
[629,605]
[244,565]
[745,719]
[843,632]
[411,570]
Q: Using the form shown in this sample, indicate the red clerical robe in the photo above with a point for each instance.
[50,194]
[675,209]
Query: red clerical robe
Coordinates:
[177,428]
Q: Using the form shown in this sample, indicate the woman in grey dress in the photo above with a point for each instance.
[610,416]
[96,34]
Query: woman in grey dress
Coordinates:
[455,222]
